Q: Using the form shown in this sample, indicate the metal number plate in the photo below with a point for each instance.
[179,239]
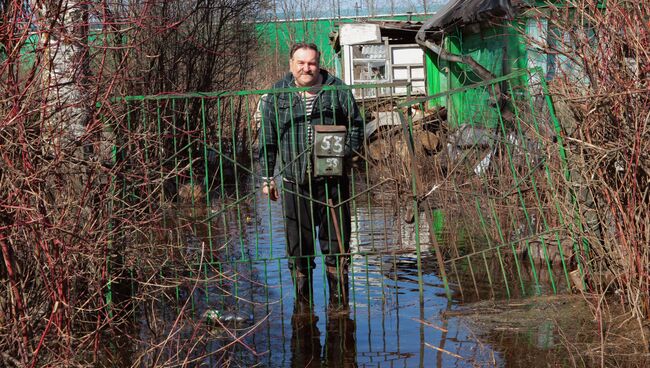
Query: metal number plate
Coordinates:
[329,147]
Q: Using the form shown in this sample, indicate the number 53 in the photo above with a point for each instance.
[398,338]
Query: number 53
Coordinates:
[336,145]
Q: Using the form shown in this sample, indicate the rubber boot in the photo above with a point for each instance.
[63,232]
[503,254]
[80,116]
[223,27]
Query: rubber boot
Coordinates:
[303,287]
[337,281]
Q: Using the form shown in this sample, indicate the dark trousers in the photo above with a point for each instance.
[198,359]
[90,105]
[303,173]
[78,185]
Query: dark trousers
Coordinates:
[307,218]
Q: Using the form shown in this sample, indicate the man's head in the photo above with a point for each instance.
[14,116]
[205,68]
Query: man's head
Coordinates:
[304,63]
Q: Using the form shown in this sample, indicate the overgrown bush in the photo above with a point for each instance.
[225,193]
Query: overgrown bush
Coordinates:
[65,231]
[600,83]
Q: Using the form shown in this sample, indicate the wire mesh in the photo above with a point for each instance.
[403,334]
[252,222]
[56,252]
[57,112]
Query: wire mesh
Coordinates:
[504,189]
[466,214]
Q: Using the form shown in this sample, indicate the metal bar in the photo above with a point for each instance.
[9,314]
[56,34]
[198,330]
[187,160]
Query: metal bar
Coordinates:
[450,92]
[221,94]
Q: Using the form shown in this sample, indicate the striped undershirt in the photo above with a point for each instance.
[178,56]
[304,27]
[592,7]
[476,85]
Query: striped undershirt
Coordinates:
[309,102]
[309,99]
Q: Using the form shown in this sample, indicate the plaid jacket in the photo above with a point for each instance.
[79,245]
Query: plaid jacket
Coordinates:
[284,126]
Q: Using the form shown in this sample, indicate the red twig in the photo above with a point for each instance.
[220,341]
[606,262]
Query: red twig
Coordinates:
[19,304]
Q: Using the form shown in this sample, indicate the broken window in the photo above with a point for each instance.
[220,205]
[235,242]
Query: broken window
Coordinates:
[385,63]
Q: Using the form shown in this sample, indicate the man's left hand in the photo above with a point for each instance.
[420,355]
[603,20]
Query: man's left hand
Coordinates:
[270,190]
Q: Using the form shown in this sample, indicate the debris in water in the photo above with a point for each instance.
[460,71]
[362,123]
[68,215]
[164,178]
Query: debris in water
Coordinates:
[217,317]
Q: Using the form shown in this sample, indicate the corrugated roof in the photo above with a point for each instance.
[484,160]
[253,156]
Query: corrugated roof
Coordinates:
[398,31]
[460,12]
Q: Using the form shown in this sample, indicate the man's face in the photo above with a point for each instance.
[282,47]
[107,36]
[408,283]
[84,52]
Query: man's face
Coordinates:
[304,67]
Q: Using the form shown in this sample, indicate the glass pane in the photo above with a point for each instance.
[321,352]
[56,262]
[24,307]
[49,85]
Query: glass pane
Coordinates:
[370,51]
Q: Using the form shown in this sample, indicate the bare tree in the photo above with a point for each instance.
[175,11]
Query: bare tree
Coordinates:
[66,233]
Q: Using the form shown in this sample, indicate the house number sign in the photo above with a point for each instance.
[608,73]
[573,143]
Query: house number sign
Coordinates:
[329,148]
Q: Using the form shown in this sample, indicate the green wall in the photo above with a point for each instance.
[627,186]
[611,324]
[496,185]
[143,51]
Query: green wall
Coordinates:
[499,48]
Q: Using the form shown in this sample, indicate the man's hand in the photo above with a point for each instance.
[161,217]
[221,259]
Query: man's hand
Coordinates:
[269,189]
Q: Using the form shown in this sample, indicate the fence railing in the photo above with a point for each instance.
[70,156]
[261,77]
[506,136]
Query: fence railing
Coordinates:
[473,212]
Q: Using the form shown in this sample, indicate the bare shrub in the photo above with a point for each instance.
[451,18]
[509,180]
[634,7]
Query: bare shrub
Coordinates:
[69,237]
[601,88]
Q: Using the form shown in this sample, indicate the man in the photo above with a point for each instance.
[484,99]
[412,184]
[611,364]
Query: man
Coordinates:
[290,122]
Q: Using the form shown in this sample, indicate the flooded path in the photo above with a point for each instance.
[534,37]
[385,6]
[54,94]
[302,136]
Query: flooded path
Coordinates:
[394,320]
[400,315]
[390,323]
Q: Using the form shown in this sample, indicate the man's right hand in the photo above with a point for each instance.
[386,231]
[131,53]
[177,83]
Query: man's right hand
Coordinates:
[269,189]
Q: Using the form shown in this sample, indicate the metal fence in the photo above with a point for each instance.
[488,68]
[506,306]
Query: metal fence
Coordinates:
[505,180]
[438,216]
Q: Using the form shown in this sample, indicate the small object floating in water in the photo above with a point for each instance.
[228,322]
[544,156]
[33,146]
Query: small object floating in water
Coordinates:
[214,316]
[211,315]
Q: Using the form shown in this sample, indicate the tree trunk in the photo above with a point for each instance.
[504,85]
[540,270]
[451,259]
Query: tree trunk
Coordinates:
[68,106]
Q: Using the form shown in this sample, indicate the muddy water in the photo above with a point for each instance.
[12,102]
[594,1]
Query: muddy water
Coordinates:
[400,315]
[390,323]
[396,316]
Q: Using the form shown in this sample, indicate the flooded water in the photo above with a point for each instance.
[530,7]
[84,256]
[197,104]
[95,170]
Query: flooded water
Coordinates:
[391,323]
[398,306]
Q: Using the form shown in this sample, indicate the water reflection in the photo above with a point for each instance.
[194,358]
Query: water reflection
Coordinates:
[385,325]
[339,349]
[340,342]
[305,338]
[395,307]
